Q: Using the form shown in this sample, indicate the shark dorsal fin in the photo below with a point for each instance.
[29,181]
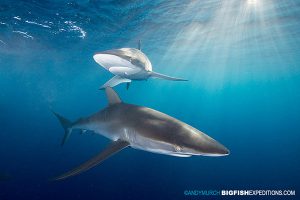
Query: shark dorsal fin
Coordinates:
[112,96]
[140,45]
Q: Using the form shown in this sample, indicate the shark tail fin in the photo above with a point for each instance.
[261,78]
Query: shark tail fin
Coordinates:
[66,124]
[162,76]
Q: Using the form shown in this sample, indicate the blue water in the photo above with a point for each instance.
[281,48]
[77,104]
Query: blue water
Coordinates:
[242,60]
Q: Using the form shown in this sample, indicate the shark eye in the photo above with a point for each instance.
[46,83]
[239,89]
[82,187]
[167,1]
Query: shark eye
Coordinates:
[177,148]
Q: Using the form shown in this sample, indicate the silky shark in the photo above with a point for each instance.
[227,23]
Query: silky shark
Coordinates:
[140,128]
[128,64]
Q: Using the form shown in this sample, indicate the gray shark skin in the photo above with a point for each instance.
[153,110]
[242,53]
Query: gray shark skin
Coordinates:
[141,128]
[127,64]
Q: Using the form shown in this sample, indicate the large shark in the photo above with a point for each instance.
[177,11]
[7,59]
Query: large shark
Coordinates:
[140,128]
[128,64]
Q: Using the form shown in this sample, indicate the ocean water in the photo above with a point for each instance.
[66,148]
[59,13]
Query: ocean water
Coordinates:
[242,60]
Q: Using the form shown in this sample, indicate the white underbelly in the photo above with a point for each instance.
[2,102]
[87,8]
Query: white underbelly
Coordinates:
[107,61]
[138,141]
[121,67]
[124,71]
[142,143]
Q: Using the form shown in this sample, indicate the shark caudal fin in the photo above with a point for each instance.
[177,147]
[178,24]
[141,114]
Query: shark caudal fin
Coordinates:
[66,124]
[162,76]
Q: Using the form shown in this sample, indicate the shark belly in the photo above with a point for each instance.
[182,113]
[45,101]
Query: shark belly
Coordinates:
[130,73]
[107,61]
[112,131]
[134,67]
[124,71]
[107,130]
[119,66]
[137,141]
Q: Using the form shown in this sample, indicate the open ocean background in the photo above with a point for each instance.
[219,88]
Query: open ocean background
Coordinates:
[242,60]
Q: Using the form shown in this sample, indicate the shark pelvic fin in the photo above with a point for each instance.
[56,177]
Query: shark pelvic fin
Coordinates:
[116,80]
[112,96]
[66,124]
[162,76]
[109,151]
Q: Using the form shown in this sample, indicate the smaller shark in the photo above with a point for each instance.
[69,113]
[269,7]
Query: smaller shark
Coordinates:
[128,64]
[140,128]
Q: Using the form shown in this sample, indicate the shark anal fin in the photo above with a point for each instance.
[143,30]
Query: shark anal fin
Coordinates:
[162,76]
[106,153]
[116,80]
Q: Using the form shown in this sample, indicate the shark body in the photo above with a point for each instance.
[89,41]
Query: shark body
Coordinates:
[127,64]
[140,128]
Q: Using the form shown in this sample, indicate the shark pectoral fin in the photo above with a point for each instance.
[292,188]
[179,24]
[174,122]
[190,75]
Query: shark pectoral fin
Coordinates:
[109,151]
[162,76]
[116,80]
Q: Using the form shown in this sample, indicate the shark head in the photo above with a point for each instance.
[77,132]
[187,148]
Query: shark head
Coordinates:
[196,142]
[124,57]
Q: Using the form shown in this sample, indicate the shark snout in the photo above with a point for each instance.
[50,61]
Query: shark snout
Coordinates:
[202,144]
[220,150]
[214,148]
